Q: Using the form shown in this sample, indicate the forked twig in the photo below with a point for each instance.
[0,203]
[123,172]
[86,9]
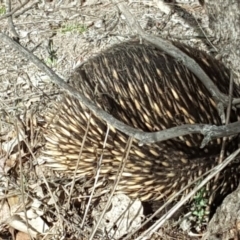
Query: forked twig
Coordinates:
[209,131]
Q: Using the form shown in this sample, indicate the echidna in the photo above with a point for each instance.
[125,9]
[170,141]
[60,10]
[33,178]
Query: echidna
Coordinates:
[149,90]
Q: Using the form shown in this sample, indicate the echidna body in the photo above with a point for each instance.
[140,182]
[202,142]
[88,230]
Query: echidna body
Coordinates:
[149,90]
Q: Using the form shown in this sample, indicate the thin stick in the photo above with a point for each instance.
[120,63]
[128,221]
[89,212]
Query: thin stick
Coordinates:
[21,181]
[13,11]
[118,177]
[168,215]
[96,177]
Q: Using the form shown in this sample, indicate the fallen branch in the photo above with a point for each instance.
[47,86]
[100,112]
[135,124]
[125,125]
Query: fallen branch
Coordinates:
[209,131]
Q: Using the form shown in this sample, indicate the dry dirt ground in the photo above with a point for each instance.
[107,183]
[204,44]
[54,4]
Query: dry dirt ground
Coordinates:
[63,34]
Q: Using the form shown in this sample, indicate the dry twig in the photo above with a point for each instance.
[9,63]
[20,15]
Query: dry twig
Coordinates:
[209,131]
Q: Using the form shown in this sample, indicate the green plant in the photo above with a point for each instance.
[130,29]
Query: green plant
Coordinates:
[73,28]
[199,206]
[2,10]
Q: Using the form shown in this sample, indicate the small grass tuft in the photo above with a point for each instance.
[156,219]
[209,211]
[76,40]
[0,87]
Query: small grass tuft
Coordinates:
[199,208]
[2,10]
[73,28]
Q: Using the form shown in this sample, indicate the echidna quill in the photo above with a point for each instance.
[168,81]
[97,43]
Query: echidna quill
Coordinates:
[149,90]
